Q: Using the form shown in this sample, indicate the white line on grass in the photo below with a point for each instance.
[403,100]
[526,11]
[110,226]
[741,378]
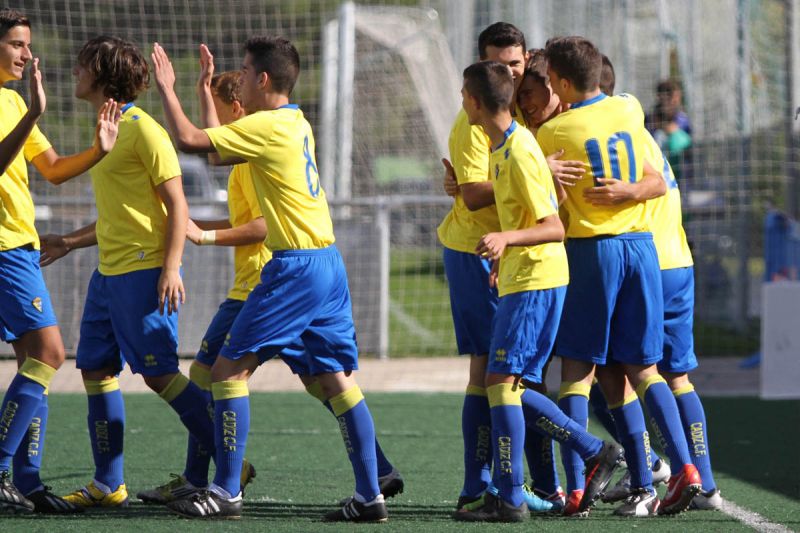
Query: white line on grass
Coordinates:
[411,323]
[751,519]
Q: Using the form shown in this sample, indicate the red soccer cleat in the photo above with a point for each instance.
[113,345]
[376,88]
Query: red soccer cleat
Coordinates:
[572,507]
[682,487]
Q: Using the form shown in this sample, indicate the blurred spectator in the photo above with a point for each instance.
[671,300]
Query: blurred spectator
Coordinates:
[670,126]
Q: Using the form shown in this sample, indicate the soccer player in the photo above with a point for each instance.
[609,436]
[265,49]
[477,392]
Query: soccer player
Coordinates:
[614,302]
[133,297]
[27,320]
[531,280]
[472,301]
[303,292]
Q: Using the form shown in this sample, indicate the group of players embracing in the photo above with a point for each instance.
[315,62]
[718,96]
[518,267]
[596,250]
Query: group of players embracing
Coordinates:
[565,238]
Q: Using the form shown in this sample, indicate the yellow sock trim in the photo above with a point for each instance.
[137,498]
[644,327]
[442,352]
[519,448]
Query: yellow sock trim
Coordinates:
[94,387]
[225,390]
[474,390]
[341,403]
[315,390]
[686,389]
[504,394]
[200,375]
[641,390]
[632,397]
[35,370]
[175,388]
[574,388]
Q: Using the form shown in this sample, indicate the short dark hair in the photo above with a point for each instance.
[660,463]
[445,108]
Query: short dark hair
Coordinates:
[228,86]
[491,83]
[117,65]
[501,35]
[278,57]
[668,86]
[608,79]
[10,18]
[575,59]
[536,67]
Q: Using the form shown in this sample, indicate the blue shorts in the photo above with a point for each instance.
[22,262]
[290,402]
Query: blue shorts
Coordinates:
[614,301]
[294,356]
[679,356]
[303,295]
[472,302]
[24,300]
[121,322]
[525,328]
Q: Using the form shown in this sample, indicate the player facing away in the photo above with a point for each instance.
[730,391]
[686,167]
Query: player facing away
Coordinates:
[531,280]
[472,301]
[132,300]
[27,320]
[303,292]
[614,304]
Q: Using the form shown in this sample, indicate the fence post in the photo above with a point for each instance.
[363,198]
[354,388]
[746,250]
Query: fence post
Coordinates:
[383,223]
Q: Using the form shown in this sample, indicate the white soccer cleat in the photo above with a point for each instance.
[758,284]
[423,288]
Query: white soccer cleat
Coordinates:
[661,473]
[707,501]
[641,503]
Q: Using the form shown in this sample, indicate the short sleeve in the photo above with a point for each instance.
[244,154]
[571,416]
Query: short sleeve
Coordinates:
[36,144]
[469,153]
[155,151]
[245,138]
[535,186]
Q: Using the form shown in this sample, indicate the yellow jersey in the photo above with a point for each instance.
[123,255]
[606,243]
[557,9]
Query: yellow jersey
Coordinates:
[607,133]
[279,147]
[16,205]
[665,215]
[131,218]
[524,193]
[248,259]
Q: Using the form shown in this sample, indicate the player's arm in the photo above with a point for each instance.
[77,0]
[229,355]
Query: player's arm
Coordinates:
[170,285]
[548,229]
[15,140]
[221,233]
[614,192]
[57,169]
[477,195]
[55,247]
[188,137]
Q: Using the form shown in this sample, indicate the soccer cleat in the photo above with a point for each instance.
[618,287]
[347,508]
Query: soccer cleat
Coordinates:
[682,488]
[620,491]
[707,501]
[391,484]
[178,487]
[640,503]
[355,511]
[11,500]
[573,502]
[535,503]
[470,502]
[494,509]
[91,496]
[661,473]
[599,470]
[558,498]
[247,476]
[45,502]
[207,504]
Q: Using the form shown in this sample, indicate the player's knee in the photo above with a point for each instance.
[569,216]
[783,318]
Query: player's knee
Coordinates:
[575,371]
[98,375]
[158,383]
[675,380]
[225,369]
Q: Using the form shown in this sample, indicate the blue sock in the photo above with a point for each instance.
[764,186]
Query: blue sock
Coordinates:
[28,459]
[508,438]
[384,466]
[198,457]
[231,425]
[693,417]
[22,400]
[540,452]
[476,429]
[633,436]
[573,400]
[191,404]
[602,412]
[358,432]
[543,416]
[106,421]
[664,410]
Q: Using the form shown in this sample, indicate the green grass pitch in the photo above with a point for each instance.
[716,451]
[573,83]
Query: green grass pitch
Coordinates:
[303,470]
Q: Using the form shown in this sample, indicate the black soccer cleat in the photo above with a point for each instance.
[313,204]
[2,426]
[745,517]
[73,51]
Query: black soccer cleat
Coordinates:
[45,502]
[466,500]
[599,470]
[11,500]
[207,504]
[494,509]
[354,511]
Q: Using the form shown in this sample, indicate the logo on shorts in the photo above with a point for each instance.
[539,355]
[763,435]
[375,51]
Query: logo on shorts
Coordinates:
[228,340]
[500,354]
[204,346]
[150,360]
[37,303]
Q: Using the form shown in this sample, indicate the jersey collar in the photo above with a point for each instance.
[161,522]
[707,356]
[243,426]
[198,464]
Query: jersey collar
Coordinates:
[507,134]
[289,106]
[126,107]
[588,102]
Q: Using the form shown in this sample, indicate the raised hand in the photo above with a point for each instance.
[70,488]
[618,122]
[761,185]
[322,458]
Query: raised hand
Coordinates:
[105,134]
[162,69]
[38,99]
[206,68]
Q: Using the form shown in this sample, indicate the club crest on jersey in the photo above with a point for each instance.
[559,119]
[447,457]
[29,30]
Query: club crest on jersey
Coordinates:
[37,303]
[507,153]
[496,171]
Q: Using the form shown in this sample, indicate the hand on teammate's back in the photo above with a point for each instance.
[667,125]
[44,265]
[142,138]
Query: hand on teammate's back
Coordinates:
[568,173]
[609,191]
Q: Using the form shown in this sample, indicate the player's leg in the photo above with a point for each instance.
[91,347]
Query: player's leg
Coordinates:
[473,304]
[545,493]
